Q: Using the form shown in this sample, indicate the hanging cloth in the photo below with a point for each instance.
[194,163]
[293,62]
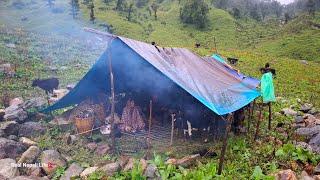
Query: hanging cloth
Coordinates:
[267,88]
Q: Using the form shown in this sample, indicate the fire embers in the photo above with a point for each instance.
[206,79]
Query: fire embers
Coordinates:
[132,119]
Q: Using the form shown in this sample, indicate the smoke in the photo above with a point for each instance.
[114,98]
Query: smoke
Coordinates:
[56,27]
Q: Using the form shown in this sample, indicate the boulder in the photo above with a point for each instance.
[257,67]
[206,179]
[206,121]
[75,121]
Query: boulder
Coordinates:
[27,141]
[308,131]
[110,169]
[62,122]
[51,160]
[34,171]
[289,112]
[143,163]
[303,145]
[13,137]
[305,176]
[88,171]
[10,127]
[102,149]
[92,146]
[313,111]
[31,129]
[185,161]
[10,148]
[16,101]
[36,103]
[29,178]
[150,171]
[315,140]
[306,107]
[286,175]
[123,160]
[15,113]
[7,168]
[129,165]
[317,169]
[74,170]
[30,155]
[2,133]
[299,119]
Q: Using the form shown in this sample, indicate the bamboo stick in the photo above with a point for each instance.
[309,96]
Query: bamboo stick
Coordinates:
[225,143]
[112,102]
[172,129]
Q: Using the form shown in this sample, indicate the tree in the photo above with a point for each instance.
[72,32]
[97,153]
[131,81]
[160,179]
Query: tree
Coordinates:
[91,7]
[120,4]
[311,7]
[195,12]
[141,3]
[130,10]
[254,13]
[236,13]
[155,8]
[221,4]
[286,17]
[74,8]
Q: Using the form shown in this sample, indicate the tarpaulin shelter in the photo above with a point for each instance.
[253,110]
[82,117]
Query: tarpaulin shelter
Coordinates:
[138,65]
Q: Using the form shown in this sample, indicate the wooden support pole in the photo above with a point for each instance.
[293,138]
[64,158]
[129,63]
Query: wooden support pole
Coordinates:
[172,129]
[270,116]
[113,139]
[258,124]
[225,143]
[251,114]
[150,121]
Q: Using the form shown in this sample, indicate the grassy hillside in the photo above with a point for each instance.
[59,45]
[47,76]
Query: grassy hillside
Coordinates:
[299,39]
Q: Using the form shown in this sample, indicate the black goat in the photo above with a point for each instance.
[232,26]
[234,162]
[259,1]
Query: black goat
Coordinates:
[48,85]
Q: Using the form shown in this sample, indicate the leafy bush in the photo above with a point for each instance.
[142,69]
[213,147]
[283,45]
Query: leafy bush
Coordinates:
[195,12]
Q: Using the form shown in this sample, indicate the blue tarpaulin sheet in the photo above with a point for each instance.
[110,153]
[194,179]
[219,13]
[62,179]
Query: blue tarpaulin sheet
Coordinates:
[140,66]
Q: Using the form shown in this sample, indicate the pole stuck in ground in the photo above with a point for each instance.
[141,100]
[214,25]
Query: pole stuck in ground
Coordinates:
[172,129]
[270,116]
[225,143]
[112,101]
[150,122]
[258,123]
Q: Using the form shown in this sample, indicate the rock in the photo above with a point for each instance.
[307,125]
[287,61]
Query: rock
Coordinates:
[313,111]
[298,125]
[62,122]
[10,127]
[70,86]
[2,133]
[27,141]
[316,177]
[10,148]
[13,137]
[30,155]
[74,138]
[11,45]
[88,171]
[151,171]
[315,140]
[286,175]
[73,171]
[16,101]
[102,149]
[317,169]
[7,169]
[31,129]
[310,120]
[52,160]
[110,169]
[308,131]
[129,165]
[29,178]
[67,138]
[306,107]
[305,176]
[304,62]
[36,103]
[15,113]
[2,113]
[185,161]
[123,160]
[34,171]
[66,157]
[289,112]
[299,119]
[92,146]
[143,164]
[304,145]
[59,93]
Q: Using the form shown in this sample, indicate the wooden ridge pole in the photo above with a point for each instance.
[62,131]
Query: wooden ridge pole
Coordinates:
[225,143]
